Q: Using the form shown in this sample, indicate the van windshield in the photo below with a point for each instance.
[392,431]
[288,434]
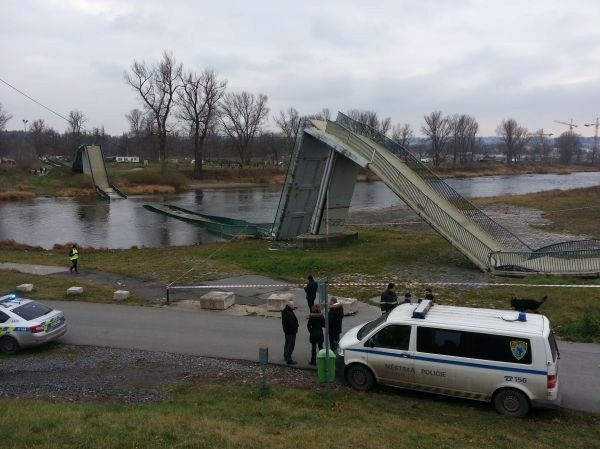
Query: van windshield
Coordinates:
[367,328]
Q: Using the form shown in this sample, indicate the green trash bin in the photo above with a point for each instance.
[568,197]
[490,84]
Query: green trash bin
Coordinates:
[321,361]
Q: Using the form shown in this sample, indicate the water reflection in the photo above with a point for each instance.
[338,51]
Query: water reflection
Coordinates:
[124,223]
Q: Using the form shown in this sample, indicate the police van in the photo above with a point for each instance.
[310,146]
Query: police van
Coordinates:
[506,357]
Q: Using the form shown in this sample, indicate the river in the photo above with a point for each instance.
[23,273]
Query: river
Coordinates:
[124,223]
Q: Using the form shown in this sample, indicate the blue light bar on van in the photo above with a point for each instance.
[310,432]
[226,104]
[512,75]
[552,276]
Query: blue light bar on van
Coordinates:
[422,309]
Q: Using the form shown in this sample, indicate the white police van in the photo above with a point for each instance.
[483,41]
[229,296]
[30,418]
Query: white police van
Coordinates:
[505,357]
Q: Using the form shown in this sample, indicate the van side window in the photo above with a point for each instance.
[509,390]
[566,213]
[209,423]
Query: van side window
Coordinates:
[3,317]
[393,337]
[500,348]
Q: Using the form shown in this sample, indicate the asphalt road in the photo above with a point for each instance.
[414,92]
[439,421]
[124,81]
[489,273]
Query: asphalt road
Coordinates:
[219,334]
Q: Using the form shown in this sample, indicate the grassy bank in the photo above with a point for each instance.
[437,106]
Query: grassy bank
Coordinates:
[575,211]
[235,416]
[499,169]
[54,288]
[379,256]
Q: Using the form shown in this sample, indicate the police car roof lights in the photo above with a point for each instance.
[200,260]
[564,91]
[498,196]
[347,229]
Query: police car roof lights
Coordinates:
[422,309]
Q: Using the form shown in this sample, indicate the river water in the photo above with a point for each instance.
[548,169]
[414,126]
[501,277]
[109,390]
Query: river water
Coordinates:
[125,223]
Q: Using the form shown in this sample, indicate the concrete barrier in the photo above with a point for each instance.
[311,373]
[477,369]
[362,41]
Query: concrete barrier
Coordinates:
[276,302]
[120,295]
[217,300]
[74,291]
[350,304]
[25,288]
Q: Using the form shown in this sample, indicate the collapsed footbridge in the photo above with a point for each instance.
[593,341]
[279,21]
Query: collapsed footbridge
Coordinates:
[320,182]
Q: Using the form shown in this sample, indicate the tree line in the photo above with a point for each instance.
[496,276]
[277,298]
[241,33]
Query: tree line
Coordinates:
[187,112]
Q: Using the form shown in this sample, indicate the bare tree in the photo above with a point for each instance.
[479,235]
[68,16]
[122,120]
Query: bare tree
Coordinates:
[569,145]
[514,137]
[4,118]
[242,116]
[76,121]
[136,122]
[156,85]
[464,135]
[437,129]
[197,102]
[288,122]
[371,119]
[38,131]
[402,133]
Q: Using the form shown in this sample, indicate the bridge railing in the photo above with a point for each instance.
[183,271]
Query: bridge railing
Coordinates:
[576,261]
[425,206]
[496,230]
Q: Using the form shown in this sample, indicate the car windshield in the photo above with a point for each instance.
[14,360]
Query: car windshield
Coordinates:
[31,310]
[367,328]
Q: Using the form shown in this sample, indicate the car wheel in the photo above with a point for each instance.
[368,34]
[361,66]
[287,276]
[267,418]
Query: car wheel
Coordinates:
[9,345]
[360,377]
[511,402]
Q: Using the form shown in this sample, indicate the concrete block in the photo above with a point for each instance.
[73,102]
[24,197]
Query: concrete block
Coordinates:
[350,304]
[276,302]
[25,288]
[74,291]
[217,300]
[120,295]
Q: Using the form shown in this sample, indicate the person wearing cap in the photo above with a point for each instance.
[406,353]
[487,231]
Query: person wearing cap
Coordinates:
[407,297]
[429,295]
[289,323]
[389,299]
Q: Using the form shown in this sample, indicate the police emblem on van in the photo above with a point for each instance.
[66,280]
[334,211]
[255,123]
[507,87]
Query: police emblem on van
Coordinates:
[518,348]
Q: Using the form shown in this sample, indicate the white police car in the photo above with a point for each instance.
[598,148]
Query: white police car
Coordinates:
[25,323]
[505,357]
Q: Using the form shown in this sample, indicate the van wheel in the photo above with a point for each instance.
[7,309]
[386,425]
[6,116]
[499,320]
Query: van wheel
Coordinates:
[9,345]
[360,377]
[511,402]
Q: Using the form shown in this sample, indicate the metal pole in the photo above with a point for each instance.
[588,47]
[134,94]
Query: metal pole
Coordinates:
[168,300]
[324,299]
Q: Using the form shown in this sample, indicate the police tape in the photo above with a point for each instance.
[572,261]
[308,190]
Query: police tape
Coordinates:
[384,284]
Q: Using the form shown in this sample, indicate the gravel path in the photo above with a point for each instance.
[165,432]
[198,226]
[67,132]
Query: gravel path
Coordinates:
[89,374]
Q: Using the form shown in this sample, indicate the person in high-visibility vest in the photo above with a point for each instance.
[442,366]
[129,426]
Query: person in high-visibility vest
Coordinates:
[389,299]
[74,257]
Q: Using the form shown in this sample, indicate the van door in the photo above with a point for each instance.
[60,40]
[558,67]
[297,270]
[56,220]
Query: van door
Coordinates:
[389,356]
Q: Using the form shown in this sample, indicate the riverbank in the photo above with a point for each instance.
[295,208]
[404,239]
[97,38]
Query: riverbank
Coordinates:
[21,185]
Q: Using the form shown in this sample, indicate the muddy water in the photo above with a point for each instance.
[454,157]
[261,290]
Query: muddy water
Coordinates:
[124,223]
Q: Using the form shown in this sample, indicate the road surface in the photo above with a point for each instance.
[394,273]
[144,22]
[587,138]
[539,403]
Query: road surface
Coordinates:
[219,334]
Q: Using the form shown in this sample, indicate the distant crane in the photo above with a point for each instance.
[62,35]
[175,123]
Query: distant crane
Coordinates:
[570,125]
[595,125]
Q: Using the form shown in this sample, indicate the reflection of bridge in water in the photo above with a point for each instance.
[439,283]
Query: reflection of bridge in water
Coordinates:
[320,183]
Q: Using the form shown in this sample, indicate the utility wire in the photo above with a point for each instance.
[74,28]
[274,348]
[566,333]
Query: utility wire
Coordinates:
[52,110]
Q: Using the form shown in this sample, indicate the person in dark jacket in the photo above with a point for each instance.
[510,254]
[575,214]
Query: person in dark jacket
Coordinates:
[315,325]
[389,299]
[290,329]
[311,292]
[336,315]
[407,297]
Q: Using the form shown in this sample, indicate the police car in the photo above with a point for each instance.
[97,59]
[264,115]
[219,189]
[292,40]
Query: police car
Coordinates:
[25,323]
[505,357]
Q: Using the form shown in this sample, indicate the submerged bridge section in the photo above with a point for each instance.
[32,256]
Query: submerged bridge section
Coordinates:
[320,183]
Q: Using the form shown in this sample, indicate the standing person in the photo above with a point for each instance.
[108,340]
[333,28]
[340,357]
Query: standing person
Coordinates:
[407,297]
[336,315]
[389,299]
[74,257]
[290,329]
[429,295]
[311,292]
[315,325]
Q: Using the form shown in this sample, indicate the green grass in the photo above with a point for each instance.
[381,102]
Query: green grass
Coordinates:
[234,416]
[54,288]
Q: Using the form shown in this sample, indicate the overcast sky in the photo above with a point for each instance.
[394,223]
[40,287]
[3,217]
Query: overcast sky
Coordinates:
[536,61]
